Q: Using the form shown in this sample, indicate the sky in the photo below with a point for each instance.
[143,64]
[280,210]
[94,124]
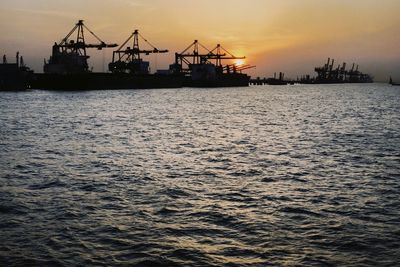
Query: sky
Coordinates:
[292,36]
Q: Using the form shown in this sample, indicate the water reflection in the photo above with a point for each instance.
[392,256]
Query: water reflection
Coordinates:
[298,175]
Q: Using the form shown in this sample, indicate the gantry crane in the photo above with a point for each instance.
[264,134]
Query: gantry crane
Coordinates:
[326,74]
[69,55]
[219,53]
[128,59]
[188,58]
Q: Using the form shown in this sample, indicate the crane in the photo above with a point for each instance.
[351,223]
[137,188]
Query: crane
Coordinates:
[69,55]
[128,59]
[188,57]
[219,53]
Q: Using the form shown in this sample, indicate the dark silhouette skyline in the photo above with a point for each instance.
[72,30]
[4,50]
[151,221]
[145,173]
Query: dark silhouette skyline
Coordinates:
[292,36]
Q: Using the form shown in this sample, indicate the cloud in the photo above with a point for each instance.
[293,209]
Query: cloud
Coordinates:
[132,3]
[50,13]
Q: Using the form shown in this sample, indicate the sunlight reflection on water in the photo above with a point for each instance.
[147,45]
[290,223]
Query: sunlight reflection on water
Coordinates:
[291,175]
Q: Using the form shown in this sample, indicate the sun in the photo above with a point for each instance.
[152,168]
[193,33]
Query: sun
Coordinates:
[239,62]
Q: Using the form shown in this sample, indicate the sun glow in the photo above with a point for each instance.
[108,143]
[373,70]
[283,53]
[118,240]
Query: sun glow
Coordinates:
[239,62]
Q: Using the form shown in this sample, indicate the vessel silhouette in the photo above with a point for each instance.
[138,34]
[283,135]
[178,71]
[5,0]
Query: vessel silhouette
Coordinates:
[15,76]
[68,69]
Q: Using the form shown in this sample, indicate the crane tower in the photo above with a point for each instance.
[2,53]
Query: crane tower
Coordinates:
[69,55]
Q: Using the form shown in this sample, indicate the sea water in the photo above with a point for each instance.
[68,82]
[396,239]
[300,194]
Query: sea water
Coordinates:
[297,175]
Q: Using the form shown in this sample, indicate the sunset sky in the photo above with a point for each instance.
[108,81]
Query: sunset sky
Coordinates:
[291,36]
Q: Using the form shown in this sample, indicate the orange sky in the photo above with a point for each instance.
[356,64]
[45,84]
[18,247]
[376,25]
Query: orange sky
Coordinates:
[291,36]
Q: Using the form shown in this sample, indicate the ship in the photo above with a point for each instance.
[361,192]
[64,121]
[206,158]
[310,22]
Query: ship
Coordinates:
[205,68]
[15,76]
[68,69]
[327,74]
[277,81]
[272,80]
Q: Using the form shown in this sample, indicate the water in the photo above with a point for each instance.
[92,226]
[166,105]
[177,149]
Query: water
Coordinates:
[293,175]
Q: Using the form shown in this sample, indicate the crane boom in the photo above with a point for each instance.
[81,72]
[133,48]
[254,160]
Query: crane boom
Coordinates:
[79,42]
[186,58]
[69,55]
[128,59]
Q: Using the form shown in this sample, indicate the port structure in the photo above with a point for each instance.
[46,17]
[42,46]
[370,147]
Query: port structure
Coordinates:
[219,53]
[69,55]
[192,58]
[328,74]
[128,59]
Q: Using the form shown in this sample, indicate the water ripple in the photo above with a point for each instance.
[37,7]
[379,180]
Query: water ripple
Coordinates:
[298,176]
